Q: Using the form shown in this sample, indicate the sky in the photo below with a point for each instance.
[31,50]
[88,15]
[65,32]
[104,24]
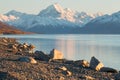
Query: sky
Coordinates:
[35,6]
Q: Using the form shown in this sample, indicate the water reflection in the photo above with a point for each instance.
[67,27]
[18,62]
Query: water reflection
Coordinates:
[67,47]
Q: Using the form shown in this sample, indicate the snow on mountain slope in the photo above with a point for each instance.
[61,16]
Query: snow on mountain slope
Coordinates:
[54,16]
[5,18]
[115,17]
[107,24]
[56,11]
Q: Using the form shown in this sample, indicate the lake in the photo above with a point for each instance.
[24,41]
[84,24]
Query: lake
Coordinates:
[77,46]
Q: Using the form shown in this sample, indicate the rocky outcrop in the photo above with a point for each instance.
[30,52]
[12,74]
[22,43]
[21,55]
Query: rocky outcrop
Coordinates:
[96,64]
[41,56]
[27,59]
[55,54]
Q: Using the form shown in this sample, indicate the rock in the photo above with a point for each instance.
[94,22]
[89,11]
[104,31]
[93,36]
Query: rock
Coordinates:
[55,54]
[41,56]
[31,47]
[96,64]
[82,63]
[4,40]
[67,73]
[117,76]
[25,46]
[27,59]
[85,77]
[63,68]
[69,62]
[6,76]
[89,78]
[107,69]
[62,78]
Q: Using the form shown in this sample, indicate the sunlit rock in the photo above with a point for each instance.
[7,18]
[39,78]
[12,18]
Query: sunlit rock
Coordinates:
[27,59]
[96,64]
[55,54]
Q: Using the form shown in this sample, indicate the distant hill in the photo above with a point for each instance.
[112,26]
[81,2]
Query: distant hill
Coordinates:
[6,29]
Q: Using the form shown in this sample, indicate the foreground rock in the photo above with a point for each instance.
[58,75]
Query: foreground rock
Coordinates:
[55,54]
[108,69]
[82,63]
[117,76]
[41,56]
[6,76]
[27,59]
[96,64]
[87,77]
[64,70]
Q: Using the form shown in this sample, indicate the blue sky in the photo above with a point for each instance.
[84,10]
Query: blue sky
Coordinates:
[34,6]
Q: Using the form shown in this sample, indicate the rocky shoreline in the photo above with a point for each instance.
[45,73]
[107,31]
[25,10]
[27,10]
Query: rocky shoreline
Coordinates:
[19,62]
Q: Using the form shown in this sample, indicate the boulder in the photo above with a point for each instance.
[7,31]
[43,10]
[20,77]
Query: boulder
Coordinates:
[108,69]
[55,54]
[27,59]
[41,56]
[96,64]
[82,63]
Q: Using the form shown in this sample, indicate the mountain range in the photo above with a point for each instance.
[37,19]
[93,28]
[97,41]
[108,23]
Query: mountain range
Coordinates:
[55,19]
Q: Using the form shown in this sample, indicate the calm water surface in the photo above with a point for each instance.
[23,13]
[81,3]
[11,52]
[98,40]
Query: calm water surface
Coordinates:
[105,47]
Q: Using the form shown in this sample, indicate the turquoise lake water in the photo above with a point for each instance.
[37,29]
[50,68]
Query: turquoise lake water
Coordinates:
[77,46]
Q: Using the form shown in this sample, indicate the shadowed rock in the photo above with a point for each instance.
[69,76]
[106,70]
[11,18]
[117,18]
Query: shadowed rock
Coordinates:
[27,59]
[6,76]
[85,77]
[96,64]
[82,63]
[117,76]
[108,69]
[41,56]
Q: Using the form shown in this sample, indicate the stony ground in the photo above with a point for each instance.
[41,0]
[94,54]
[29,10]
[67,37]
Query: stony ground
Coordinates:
[12,69]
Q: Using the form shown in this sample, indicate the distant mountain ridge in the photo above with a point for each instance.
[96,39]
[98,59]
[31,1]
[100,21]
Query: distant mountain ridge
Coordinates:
[6,29]
[55,19]
[107,24]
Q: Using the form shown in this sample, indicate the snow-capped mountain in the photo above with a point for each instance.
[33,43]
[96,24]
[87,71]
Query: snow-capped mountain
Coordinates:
[115,17]
[107,24]
[5,18]
[53,19]
[56,11]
